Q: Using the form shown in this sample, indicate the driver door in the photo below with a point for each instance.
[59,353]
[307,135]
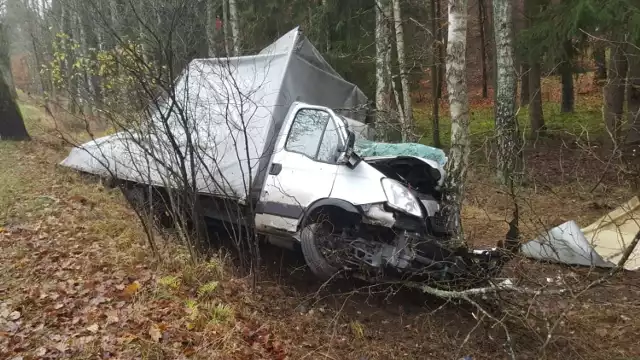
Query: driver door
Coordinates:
[303,169]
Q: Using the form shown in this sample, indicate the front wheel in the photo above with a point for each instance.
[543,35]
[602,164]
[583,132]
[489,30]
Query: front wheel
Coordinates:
[312,238]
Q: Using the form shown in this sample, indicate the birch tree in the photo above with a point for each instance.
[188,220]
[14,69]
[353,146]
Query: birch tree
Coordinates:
[436,69]
[235,26]
[456,167]
[404,76]
[506,122]
[382,60]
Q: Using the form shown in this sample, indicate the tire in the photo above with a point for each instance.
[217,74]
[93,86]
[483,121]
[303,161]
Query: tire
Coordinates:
[318,264]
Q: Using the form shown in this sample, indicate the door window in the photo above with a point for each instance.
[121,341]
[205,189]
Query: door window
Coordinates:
[314,134]
[328,151]
[306,132]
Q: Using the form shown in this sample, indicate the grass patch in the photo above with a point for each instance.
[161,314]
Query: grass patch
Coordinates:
[586,120]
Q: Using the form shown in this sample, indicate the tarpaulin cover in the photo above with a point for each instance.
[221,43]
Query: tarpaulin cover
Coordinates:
[367,148]
[230,110]
[600,244]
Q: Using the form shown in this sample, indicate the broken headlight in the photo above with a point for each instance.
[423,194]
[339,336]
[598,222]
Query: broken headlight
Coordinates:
[400,198]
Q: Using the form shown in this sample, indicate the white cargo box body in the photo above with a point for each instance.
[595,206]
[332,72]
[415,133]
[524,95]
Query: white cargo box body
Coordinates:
[234,109]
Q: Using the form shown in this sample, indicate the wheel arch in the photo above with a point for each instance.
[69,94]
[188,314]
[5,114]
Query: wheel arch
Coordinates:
[337,209]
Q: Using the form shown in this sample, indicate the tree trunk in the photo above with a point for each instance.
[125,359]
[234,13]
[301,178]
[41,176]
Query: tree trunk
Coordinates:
[633,97]
[225,27]
[72,88]
[600,59]
[91,47]
[458,162]
[506,121]
[566,75]
[404,76]
[614,92]
[524,84]
[235,26]
[483,50]
[442,46]
[325,25]
[383,98]
[435,75]
[7,78]
[11,123]
[536,117]
[211,28]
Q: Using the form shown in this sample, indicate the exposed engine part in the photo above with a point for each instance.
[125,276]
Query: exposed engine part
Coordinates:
[377,215]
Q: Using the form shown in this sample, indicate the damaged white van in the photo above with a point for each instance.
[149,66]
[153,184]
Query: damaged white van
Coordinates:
[281,136]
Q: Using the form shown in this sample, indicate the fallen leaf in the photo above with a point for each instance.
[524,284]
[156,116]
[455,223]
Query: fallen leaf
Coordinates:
[93,328]
[155,333]
[112,317]
[58,306]
[62,347]
[41,351]
[131,289]
[14,315]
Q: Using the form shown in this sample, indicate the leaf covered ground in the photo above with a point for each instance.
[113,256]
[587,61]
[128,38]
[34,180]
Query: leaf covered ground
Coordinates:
[78,281]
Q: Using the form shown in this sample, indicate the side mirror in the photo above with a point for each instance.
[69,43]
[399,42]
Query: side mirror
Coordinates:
[348,157]
[351,140]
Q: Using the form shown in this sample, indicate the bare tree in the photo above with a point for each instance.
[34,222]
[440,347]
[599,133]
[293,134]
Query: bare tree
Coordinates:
[458,162]
[404,76]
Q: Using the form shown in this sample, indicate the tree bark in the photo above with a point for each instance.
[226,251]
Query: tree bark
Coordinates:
[566,75]
[506,121]
[235,26]
[11,123]
[383,98]
[457,165]
[211,28]
[633,97]
[614,92]
[536,117]
[435,75]
[483,48]
[404,76]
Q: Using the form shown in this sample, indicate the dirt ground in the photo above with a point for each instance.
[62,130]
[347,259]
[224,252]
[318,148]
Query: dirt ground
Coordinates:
[77,280]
